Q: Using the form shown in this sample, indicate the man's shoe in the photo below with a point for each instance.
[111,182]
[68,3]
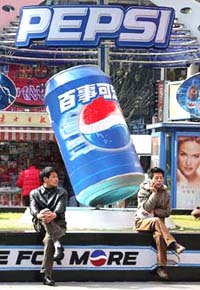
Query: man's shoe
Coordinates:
[179,248]
[162,273]
[47,280]
[59,253]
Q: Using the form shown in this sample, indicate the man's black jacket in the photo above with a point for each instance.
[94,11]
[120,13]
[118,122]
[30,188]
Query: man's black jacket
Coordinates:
[55,199]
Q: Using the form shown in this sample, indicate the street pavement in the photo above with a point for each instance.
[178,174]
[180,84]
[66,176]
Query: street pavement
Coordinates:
[105,286]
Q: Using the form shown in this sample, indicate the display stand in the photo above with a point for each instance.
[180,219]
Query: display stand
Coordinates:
[165,139]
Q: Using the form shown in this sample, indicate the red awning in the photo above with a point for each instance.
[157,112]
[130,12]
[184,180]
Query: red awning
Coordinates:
[26,134]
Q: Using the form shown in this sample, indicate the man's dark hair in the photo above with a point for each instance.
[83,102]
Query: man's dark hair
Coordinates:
[46,172]
[154,170]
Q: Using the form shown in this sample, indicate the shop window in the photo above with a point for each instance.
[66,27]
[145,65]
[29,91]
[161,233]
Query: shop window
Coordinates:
[16,156]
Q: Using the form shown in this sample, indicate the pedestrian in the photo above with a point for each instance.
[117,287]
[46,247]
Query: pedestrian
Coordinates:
[27,180]
[153,208]
[48,205]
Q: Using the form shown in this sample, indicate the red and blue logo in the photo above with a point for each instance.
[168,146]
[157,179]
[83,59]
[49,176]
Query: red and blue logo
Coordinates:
[188,95]
[103,125]
[98,258]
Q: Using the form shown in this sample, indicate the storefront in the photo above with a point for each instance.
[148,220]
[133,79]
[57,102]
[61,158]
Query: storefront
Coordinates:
[25,129]
[21,144]
[176,142]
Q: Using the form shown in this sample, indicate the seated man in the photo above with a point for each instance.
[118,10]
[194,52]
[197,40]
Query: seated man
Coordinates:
[153,208]
[47,205]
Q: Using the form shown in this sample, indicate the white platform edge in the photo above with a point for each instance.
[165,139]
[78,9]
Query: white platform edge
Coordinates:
[86,218]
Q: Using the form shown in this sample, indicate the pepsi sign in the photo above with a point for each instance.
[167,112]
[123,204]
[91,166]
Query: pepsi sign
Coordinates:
[95,123]
[7,92]
[80,257]
[94,257]
[103,127]
[91,132]
[84,25]
[188,95]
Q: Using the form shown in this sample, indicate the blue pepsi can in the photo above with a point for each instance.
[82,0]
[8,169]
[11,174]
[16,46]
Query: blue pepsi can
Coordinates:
[92,135]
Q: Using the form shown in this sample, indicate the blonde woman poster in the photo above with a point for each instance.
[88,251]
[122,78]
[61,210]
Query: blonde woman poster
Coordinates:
[188,172]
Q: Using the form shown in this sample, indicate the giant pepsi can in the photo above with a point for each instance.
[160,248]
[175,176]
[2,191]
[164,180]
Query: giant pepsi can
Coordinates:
[92,135]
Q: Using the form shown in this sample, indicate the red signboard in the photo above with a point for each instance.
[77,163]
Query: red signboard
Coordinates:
[30,84]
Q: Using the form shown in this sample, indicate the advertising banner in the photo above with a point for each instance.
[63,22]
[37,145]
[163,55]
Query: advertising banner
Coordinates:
[188,95]
[30,85]
[188,172]
[20,119]
[96,258]
[93,136]
[87,26]
[7,92]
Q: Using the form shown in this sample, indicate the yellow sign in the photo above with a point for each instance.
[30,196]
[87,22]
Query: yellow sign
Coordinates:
[24,119]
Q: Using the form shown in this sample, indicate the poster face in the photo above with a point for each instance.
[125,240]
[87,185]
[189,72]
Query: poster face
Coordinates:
[188,172]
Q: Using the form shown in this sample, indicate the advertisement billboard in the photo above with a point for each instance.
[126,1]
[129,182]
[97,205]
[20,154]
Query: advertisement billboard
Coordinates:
[175,111]
[188,171]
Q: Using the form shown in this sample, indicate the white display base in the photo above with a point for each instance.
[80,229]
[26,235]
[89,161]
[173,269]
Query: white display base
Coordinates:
[91,219]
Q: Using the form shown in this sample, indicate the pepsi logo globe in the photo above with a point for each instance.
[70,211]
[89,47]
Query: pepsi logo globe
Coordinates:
[102,124]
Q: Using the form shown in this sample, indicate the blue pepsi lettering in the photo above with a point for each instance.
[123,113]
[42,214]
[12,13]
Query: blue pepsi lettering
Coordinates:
[35,23]
[94,26]
[107,91]
[147,28]
[67,101]
[162,30]
[88,25]
[85,94]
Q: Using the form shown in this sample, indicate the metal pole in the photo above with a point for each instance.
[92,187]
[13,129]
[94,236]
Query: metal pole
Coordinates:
[103,50]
